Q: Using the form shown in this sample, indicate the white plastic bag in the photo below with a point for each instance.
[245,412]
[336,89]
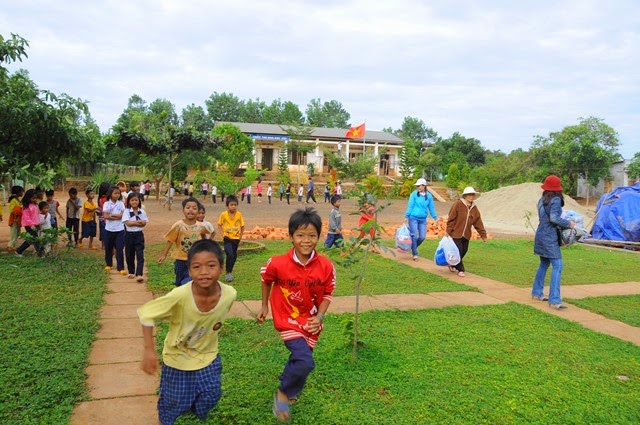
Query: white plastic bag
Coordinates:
[447,252]
[403,239]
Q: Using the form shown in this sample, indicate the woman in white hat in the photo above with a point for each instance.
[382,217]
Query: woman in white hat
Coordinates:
[462,216]
[419,207]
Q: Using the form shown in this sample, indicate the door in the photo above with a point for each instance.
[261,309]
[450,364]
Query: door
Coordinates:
[267,159]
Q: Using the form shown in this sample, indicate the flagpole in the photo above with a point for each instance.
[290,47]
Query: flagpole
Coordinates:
[364,139]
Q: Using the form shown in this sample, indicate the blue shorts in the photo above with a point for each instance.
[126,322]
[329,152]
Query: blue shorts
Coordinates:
[182,391]
[89,229]
[182,272]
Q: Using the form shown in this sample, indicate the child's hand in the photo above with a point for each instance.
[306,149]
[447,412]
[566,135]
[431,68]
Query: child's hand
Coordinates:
[314,324]
[262,316]
[162,258]
[150,363]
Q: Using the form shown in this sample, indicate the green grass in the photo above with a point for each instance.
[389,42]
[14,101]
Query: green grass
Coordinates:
[49,315]
[504,364]
[623,308]
[383,276]
[512,261]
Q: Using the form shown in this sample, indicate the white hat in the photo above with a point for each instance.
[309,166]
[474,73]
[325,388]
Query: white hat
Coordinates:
[470,191]
[420,182]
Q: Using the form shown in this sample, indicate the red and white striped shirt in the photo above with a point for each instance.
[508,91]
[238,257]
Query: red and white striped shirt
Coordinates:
[298,289]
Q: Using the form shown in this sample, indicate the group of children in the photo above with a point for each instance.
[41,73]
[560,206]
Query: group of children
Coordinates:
[297,288]
[30,210]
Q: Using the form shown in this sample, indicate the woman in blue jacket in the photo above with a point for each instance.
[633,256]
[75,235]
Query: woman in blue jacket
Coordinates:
[420,206]
[546,243]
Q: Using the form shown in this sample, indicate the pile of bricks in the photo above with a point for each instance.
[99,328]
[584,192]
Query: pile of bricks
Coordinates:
[435,230]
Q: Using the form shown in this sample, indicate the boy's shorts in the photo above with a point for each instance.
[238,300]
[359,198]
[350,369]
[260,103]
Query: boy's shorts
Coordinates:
[181,271]
[89,229]
[189,390]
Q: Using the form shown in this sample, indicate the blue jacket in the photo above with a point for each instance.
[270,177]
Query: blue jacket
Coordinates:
[420,206]
[546,242]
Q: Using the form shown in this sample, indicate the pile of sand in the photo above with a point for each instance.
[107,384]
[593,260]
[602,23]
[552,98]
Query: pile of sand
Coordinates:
[504,210]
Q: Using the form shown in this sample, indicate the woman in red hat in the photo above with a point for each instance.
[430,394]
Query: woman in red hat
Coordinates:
[546,243]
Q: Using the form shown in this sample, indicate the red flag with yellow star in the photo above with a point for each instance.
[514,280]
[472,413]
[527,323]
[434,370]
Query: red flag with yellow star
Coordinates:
[355,132]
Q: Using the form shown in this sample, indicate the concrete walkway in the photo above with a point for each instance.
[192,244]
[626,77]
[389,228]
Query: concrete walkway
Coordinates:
[122,394]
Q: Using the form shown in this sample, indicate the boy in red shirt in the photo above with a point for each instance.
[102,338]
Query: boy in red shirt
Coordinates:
[298,285]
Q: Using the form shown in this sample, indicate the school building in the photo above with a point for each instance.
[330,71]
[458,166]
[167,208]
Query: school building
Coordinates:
[270,139]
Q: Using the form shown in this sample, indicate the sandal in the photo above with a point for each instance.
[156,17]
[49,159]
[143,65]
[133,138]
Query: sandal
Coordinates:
[140,279]
[130,276]
[461,274]
[281,408]
[452,269]
[415,258]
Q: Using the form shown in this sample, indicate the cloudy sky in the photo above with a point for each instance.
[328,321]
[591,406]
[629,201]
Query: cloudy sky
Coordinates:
[496,70]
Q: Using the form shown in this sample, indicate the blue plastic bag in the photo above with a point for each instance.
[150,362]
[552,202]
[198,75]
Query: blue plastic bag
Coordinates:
[447,253]
[403,239]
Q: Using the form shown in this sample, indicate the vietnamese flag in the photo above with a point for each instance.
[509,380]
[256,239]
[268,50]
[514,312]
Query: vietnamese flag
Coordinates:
[355,132]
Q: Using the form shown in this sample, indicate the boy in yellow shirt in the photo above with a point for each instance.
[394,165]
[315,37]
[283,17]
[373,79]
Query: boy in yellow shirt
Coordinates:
[192,370]
[183,234]
[89,227]
[231,227]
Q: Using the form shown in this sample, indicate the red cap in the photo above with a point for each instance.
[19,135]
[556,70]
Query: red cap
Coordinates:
[552,184]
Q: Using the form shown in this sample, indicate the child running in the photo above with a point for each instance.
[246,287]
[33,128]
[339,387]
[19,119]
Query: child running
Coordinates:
[334,232]
[112,211]
[201,213]
[183,234]
[298,286]
[15,216]
[191,370]
[89,227]
[231,227]
[134,219]
[74,205]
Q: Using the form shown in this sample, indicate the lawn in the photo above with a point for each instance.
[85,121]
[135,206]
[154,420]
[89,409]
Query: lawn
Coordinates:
[623,308]
[49,315]
[512,261]
[384,276]
[504,364]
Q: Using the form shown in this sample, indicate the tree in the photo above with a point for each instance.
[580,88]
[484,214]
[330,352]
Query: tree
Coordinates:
[223,107]
[453,176]
[358,169]
[633,169]
[415,129]
[459,149]
[329,114]
[297,145]
[252,111]
[233,146]
[40,130]
[283,165]
[585,150]
[158,132]
[279,112]
[195,118]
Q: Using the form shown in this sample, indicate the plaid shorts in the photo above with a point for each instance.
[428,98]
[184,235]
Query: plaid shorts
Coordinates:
[181,391]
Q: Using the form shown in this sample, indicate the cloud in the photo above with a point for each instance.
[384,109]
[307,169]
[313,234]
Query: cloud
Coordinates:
[498,71]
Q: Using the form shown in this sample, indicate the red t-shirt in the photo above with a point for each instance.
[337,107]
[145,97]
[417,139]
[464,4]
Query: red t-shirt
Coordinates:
[297,292]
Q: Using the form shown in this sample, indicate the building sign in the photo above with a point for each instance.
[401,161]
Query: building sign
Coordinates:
[269,137]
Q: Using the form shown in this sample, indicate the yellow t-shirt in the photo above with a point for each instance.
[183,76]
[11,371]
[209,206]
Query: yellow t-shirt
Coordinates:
[192,340]
[183,236]
[231,227]
[88,211]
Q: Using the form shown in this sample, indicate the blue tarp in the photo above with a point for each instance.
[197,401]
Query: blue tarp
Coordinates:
[618,215]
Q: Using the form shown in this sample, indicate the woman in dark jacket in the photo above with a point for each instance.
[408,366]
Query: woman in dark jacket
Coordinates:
[463,215]
[546,244]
